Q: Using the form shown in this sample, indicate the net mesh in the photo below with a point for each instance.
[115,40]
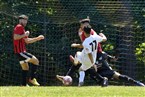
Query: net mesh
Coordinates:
[121,21]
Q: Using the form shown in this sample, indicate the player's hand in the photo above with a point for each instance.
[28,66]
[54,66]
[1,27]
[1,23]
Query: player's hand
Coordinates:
[114,59]
[101,34]
[40,37]
[27,33]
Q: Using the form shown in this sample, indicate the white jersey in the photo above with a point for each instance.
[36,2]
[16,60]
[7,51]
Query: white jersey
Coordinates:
[90,45]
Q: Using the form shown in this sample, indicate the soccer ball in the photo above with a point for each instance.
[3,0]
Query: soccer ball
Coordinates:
[67,80]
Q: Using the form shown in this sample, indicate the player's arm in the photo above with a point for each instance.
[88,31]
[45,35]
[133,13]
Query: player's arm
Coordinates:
[77,45]
[112,58]
[32,40]
[91,57]
[103,37]
[95,67]
[18,36]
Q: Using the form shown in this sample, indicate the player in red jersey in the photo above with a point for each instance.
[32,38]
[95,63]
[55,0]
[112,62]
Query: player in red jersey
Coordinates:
[20,39]
[82,36]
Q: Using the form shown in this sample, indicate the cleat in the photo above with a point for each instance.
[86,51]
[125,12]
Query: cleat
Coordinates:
[71,58]
[34,82]
[138,83]
[105,82]
[81,84]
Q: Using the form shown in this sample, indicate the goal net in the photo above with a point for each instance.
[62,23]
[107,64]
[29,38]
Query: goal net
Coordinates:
[58,20]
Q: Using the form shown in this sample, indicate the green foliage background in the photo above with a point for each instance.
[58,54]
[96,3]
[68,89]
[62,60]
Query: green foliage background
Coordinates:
[121,21]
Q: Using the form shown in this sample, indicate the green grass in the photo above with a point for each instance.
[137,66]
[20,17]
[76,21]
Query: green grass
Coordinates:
[61,91]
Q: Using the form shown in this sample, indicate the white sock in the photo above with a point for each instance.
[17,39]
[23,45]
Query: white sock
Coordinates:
[82,76]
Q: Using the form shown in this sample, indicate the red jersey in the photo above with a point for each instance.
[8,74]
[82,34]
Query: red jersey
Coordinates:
[83,37]
[19,45]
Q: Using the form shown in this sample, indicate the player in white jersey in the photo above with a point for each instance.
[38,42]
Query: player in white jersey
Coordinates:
[87,56]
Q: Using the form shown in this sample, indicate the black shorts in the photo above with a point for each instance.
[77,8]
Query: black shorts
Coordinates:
[24,55]
[107,73]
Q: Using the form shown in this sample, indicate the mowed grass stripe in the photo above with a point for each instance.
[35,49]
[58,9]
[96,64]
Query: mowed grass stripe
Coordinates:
[62,91]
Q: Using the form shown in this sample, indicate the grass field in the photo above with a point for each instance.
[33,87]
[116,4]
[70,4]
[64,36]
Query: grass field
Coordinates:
[61,91]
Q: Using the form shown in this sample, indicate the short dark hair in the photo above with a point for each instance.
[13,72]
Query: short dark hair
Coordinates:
[87,29]
[23,17]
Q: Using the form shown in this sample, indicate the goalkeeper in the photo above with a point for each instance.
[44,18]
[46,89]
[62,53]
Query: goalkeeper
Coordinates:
[105,70]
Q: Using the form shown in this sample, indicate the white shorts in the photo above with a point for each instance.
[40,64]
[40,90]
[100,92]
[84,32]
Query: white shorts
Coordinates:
[84,59]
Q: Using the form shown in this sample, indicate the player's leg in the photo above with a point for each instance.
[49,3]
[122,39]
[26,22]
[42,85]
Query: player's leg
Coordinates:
[86,65]
[76,60]
[81,78]
[76,65]
[127,79]
[103,80]
[106,73]
[59,77]
[83,73]
[72,69]
[103,67]
[93,72]
[35,62]
[25,69]
[34,67]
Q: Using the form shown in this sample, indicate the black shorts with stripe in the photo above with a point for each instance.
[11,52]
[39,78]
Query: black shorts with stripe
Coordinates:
[24,55]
